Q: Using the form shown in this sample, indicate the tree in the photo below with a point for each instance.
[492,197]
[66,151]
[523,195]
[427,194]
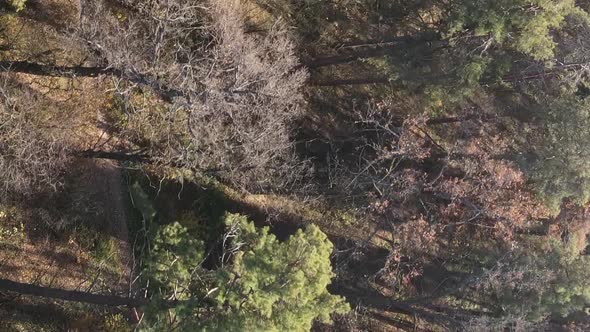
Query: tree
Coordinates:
[264,284]
[173,257]
[560,166]
[467,44]
[33,153]
[274,286]
[536,283]
[231,96]
[431,189]
[524,26]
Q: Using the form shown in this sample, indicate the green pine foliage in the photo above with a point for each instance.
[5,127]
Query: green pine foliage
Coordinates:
[268,285]
[17,5]
[173,257]
[523,25]
[571,279]
[276,286]
[547,283]
[524,288]
[561,167]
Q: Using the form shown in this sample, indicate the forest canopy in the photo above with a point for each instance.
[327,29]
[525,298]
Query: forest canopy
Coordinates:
[282,165]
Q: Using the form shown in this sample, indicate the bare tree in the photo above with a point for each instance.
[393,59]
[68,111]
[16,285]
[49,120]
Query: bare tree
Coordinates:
[232,95]
[32,154]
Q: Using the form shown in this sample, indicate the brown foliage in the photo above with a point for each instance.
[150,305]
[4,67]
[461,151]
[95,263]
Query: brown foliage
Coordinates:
[467,180]
[438,188]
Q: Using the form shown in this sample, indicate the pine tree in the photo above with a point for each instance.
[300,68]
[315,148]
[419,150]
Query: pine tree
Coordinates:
[544,281]
[523,25]
[267,285]
[276,286]
[561,168]
[173,257]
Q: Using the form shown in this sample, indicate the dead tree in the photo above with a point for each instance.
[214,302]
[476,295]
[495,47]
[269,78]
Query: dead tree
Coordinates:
[237,93]
[32,155]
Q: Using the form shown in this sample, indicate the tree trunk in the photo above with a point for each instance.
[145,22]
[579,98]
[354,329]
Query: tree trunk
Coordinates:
[446,120]
[345,58]
[166,93]
[56,71]
[508,78]
[380,50]
[353,81]
[138,157]
[141,157]
[372,299]
[66,295]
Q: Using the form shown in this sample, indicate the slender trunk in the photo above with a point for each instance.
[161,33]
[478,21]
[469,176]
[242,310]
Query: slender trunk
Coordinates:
[446,120]
[354,81]
[346,58]
[165,92]
[117,156]
[508,78]
[67,295]
[378,49]
[56,71]
[456,119]
[141,157]
[383,42]
[511,78]
[377,301]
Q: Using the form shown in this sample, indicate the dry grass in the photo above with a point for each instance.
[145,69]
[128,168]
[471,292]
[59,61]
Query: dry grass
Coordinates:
[292,212]
[39,252]
[25,37]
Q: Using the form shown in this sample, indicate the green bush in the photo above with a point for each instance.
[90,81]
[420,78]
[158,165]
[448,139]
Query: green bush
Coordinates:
[17,5]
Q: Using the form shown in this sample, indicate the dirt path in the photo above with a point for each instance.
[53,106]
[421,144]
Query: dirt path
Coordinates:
[107,180]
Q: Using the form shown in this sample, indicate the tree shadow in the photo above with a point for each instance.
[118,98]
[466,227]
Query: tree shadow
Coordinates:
[58,14]
[40,313]
[436,280]
[207,205]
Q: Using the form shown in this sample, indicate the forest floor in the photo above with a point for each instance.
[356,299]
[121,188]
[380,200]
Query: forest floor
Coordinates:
[95,254]
[91,253]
